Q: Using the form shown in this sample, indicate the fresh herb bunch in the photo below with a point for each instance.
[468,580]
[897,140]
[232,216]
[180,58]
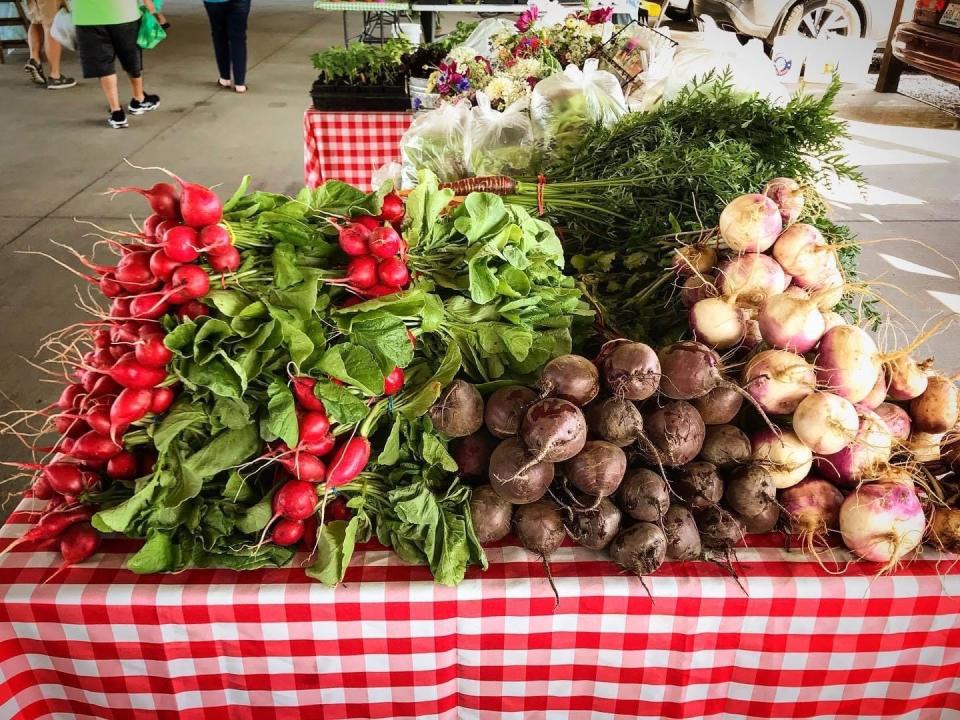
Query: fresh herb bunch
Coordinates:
[362,64]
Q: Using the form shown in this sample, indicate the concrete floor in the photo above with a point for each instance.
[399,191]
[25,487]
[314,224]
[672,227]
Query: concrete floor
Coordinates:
[57,157]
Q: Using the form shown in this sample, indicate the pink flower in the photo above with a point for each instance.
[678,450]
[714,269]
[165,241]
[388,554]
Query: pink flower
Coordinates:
[486,64]
[527,18]
[599,16]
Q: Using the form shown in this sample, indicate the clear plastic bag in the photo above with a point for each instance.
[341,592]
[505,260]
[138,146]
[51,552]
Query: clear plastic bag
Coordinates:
[479,40]
[502,143]
[565,105]
[436,141]
[63,30]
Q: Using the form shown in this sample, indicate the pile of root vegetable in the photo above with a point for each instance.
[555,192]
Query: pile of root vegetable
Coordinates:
[679,453]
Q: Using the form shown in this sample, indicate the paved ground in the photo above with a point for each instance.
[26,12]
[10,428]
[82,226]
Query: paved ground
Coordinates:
[57,157]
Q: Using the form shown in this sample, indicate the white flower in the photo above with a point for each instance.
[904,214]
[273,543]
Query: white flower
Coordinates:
[462,54]
[527,67]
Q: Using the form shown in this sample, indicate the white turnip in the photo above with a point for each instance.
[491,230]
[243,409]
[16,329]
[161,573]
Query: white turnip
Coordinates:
[826,423]
[896,419]
[803,252]
[812,508]
[788,195]
[882,522]
[907,379]
[849,362]
[750,223]
[752,278]
[870,448]
[778,380]
[783,455]
[693,260]
[791,323]
[832,319]
[879,393]
[718,322]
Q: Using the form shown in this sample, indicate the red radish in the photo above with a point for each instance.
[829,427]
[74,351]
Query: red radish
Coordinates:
[78,543]
[718,322]
[778,380]
[101,359]
[791,323]
[896,419]
[314,426]
[287,532]
[128,407]
[188,282]
[53,524]
[784,457]
[66,445]
[694,260]
[149,306]
[392,209]
[120,308]
[104,385]
[750,279]
[129,373]
[63,478]
[302,387]
[348,461]
[150,225]
[907,378]
[353,240]
[133,271]
[381,291]
[93,446]
[215,238]
[101,339]
[192,310]
[70,425]
[788,195]
[870,449]
[163,226]
[109,286]
[69,396]
[393,272]
[162,198]
[162,266]
[117,351]
[882,522]
[150,350]
[303,466]
[826,423]
[368,221]
[41,489]
[393,382]
[813,510]
[319,448]
[123,466]
[125,333]
[225,261]
[199,205]
[180,244]
[295,500]
[384,242]
[337,509]
[161,400]
[750,224]
[362,272]
[97,418]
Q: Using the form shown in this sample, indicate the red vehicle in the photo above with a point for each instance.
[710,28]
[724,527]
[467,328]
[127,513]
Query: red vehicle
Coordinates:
[931,42]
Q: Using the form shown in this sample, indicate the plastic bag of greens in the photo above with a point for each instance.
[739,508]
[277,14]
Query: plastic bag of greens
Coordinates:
[151,33]
[436,141]
[502,143]
[563,106]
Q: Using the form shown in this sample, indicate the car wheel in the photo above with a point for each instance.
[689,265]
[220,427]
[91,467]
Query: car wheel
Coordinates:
[681,14]
[815,19]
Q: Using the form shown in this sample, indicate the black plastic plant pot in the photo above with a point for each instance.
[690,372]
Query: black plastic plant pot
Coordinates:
[373,98]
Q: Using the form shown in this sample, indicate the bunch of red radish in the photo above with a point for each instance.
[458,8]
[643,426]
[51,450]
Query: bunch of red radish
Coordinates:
[317,458]
[122,378]
[377,251]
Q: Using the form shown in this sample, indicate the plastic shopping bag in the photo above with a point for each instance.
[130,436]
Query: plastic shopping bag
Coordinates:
[436,140]
[151,34]
[63,30]
[502,143]
[565,105]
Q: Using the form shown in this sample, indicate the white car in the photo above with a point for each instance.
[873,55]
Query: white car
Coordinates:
[812,18]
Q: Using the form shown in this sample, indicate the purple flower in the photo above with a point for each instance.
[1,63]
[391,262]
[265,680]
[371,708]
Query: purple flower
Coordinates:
[527,18]
[463,84]
[599,16]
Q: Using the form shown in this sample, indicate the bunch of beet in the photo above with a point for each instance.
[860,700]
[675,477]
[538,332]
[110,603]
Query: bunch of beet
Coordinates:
[120,377]
[377,251]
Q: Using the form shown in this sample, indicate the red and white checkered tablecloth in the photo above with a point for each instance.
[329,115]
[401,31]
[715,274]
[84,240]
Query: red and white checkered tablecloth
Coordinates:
[100,642]
[349,146]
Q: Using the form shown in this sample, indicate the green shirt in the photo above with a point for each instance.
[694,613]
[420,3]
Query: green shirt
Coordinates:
[105,12]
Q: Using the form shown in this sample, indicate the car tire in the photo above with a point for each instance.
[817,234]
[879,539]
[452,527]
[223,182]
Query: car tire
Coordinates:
[804,17]
[680,14]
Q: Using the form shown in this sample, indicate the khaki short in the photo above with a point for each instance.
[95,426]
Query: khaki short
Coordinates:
[42,11]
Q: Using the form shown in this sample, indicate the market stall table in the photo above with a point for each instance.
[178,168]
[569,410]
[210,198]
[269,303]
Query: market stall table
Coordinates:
[100,642]
[349,146]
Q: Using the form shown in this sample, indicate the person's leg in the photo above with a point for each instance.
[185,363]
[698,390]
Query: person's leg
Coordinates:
[52,48]
[217,13]
[108,84]
[239,11]
[136,88]
[35,41]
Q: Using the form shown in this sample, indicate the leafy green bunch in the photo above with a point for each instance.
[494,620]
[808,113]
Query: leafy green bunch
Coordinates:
[363,64]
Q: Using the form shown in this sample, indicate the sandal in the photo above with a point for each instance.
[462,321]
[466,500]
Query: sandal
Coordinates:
[224,83]
[240,89]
